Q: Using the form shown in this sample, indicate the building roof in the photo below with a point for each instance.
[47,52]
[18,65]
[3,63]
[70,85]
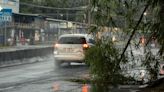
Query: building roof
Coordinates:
[27,14]
[58,20]
[55,20]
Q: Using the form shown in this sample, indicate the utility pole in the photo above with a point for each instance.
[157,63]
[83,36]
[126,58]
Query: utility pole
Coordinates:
[67,16]
[57,14]
[5,33]
[89,14]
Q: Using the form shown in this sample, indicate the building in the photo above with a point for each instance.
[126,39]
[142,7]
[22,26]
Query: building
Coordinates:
[7,7]
[21,29]
[59,27]
[10,4]
[27,27]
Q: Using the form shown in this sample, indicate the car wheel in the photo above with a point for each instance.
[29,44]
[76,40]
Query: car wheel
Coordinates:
[69,63]
[57,63]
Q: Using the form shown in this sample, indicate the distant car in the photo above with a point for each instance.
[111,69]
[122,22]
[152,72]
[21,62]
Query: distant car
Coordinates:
[71,48]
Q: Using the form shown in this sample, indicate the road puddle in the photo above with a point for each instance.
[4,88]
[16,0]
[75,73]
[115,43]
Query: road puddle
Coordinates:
[80,88]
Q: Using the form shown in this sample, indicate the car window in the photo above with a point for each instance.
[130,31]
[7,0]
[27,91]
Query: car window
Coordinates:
[72,40]
[92,41]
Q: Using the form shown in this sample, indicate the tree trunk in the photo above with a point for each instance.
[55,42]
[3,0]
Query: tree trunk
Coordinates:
[161,31]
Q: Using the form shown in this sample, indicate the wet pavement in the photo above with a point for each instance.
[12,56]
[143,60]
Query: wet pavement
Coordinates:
[42,76]
[39,77]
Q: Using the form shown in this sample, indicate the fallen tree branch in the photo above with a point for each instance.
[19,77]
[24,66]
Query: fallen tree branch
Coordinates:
[135,28]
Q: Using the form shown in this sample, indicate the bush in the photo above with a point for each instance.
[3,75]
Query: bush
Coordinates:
[104,62]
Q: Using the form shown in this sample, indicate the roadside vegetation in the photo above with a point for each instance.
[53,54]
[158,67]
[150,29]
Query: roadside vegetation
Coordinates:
[129,20]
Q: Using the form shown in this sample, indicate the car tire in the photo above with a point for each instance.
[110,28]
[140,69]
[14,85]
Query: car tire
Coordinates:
[57,63]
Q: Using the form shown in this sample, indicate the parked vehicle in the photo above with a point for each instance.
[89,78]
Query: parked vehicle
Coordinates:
[71,48]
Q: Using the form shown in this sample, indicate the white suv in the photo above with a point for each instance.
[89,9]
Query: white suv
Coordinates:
[71,48]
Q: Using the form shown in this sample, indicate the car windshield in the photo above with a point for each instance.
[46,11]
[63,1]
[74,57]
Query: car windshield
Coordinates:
[72,40]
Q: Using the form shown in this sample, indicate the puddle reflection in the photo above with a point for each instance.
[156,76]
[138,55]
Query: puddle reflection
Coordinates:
[85,88]
[56,88]
[74,87]
[99,88]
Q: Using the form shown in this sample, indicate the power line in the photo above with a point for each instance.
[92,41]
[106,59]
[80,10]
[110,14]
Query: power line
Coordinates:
[80,8]
[46,7]
[59,14]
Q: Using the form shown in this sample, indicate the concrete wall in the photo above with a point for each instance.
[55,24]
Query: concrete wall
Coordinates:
[21,54]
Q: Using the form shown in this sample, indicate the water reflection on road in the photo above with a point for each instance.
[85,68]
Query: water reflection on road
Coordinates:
[59,87]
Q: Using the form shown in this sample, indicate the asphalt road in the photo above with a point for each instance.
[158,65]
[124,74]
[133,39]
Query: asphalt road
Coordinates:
[41,77]
[44,77]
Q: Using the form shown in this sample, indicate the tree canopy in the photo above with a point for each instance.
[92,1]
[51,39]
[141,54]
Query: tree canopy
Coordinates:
[50,8]
[134,18]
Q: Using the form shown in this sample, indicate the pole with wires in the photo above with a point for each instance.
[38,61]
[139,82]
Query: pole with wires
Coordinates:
[89,14]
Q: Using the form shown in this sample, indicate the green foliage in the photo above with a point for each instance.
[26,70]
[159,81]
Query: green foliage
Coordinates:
[104,62]
[152,64]
[130,16]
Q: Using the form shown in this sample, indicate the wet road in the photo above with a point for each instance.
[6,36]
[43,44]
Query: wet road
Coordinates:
[44,77]
[40,77]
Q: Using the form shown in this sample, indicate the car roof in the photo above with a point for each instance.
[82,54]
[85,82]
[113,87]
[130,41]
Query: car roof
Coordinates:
[75,35]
